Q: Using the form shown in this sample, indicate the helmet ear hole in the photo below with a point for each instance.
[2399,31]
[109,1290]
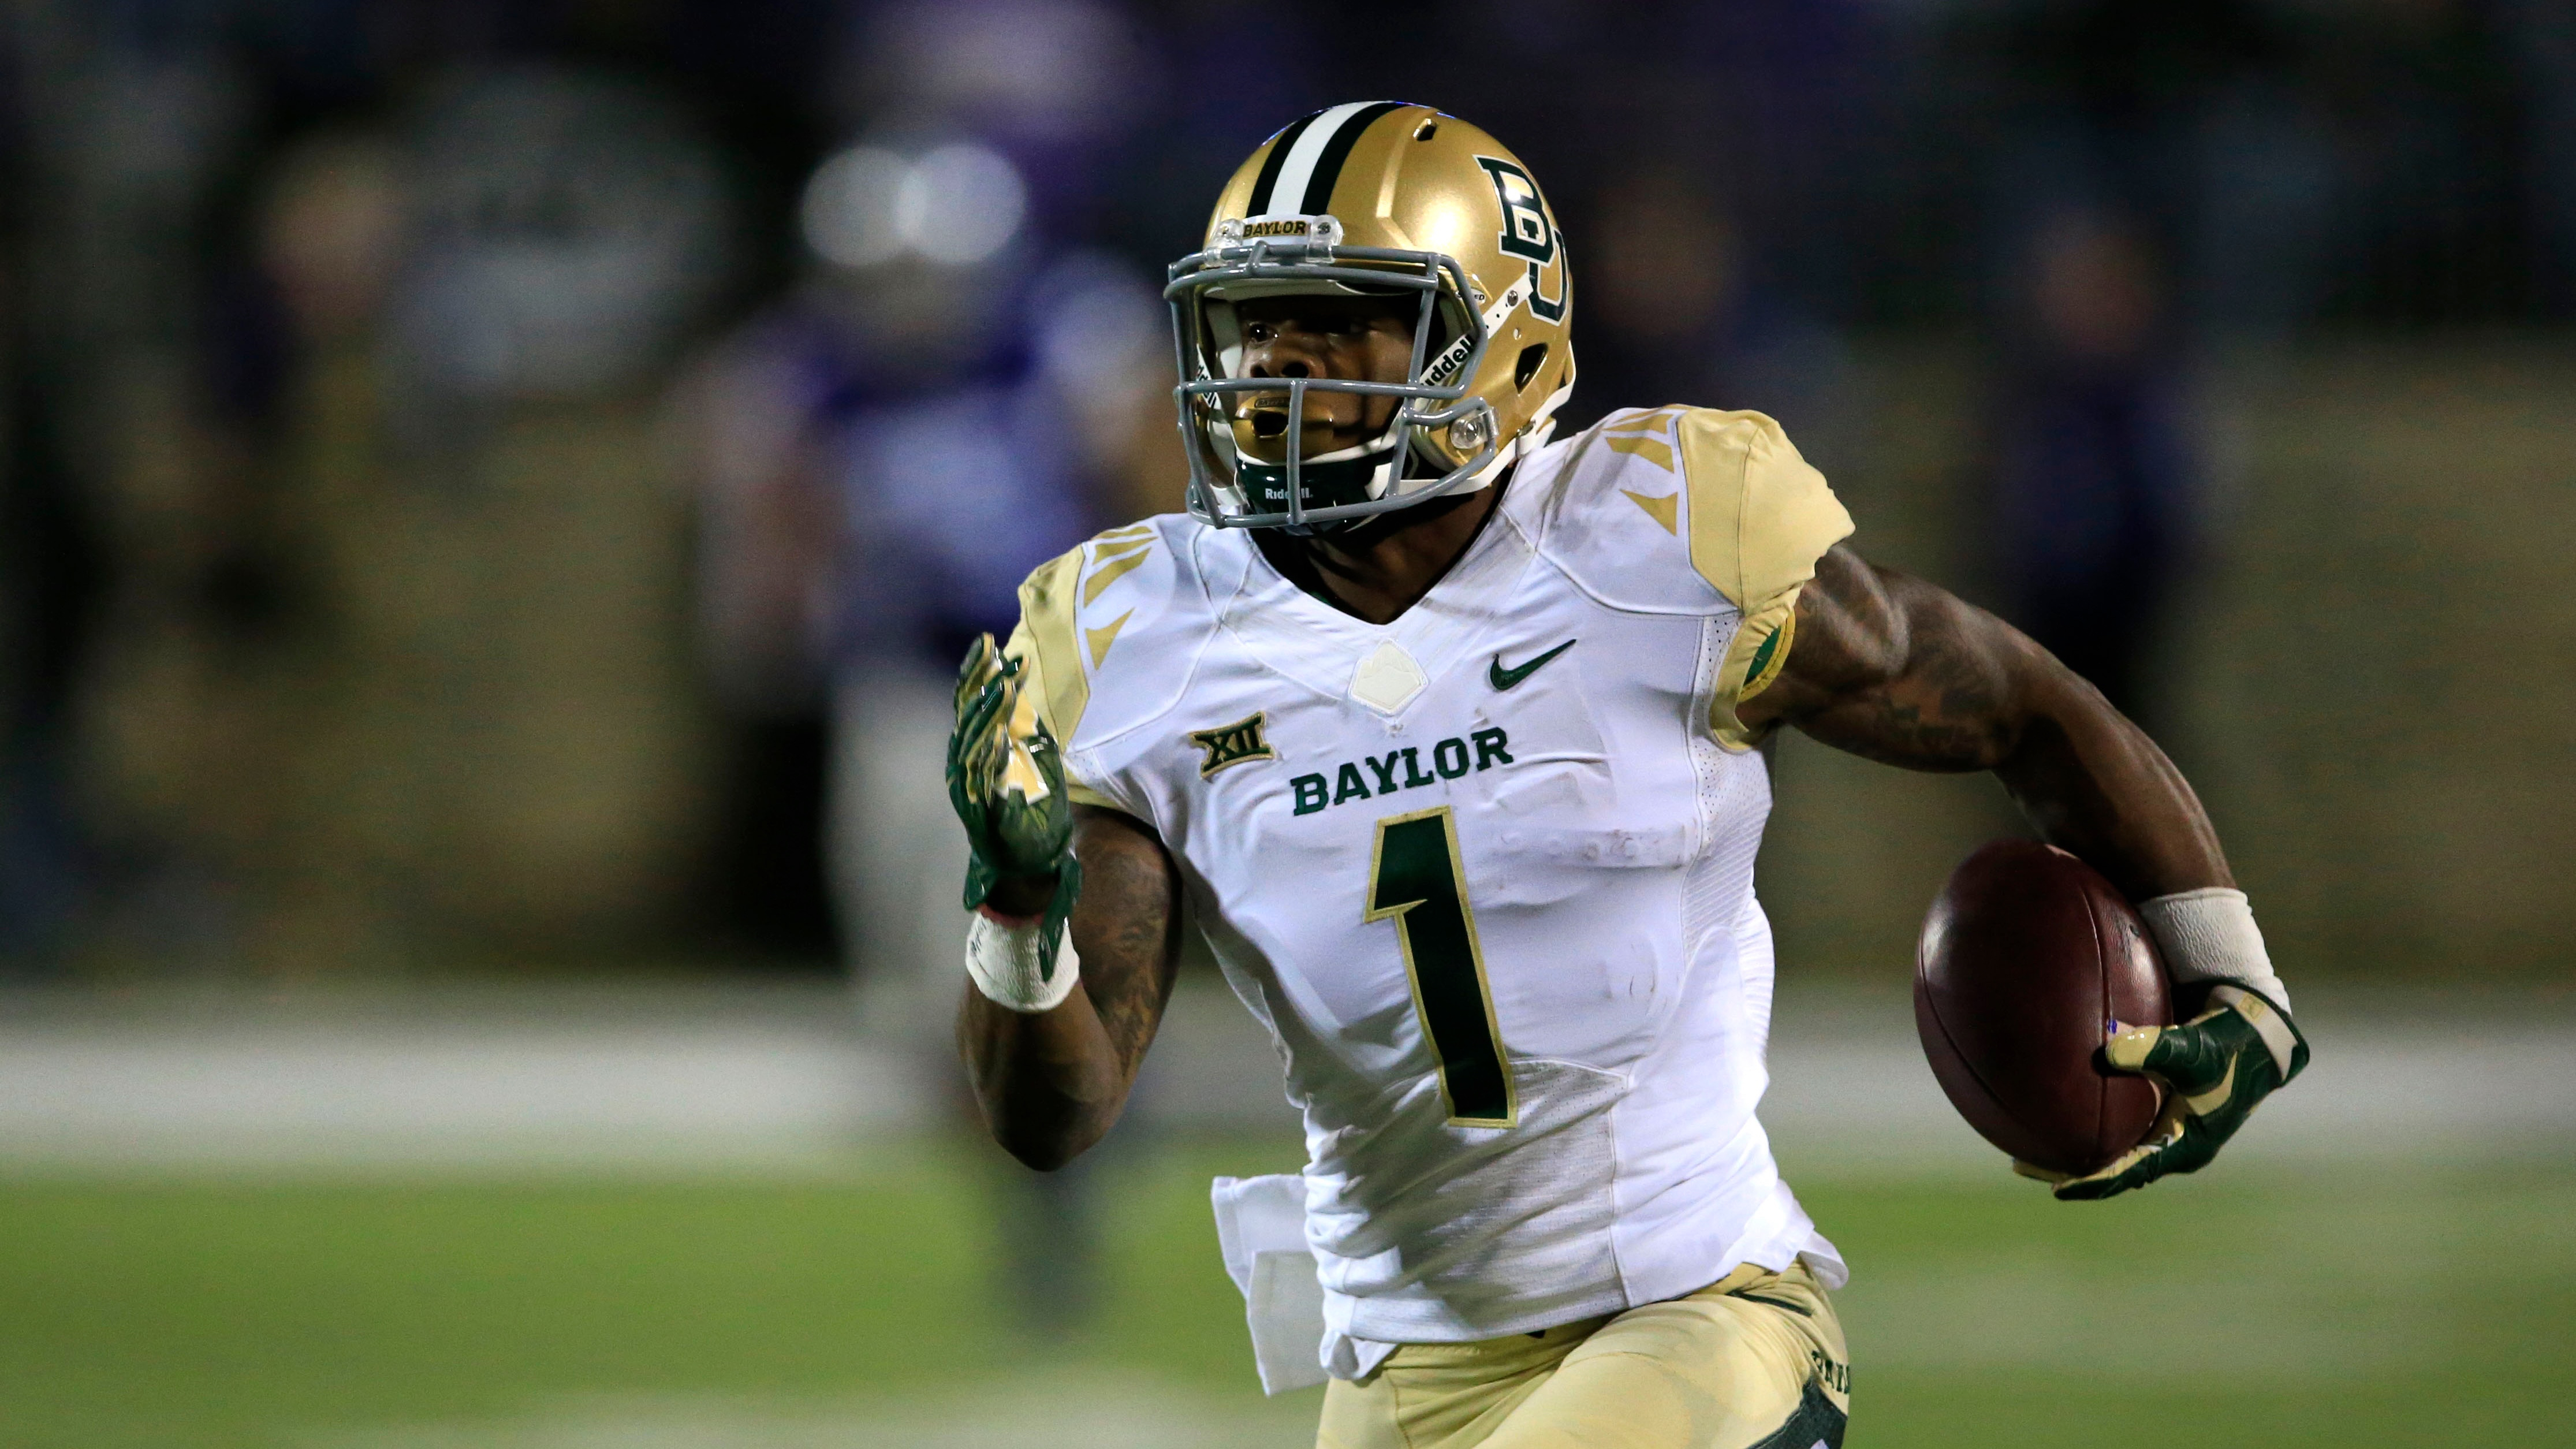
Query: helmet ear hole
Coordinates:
[1533,357]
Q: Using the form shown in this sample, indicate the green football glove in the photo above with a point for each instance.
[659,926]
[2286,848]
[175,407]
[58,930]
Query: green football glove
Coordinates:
[1006,781]
[2215,1069]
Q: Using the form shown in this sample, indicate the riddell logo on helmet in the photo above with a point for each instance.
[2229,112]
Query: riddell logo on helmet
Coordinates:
[1449,361]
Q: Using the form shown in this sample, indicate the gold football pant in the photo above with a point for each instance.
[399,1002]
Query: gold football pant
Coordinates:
[1755,1361]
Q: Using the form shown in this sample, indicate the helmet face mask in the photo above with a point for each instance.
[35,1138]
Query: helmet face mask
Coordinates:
[1324,336]
[1240,477]
[1477,230]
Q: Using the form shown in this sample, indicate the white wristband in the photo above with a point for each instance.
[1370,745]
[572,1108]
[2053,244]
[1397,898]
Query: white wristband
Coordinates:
[1004,963]
[2210,935]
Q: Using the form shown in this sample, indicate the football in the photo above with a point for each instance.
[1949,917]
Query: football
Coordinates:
[2029,961]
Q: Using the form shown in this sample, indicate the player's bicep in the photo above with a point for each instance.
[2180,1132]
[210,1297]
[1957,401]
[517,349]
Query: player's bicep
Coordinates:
[1889,667]
[1126,926]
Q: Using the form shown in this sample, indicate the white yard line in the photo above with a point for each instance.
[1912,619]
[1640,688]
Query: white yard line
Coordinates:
[785,1081]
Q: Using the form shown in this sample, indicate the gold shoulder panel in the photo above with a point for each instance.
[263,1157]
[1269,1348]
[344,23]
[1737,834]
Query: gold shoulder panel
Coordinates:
[1050,637]
[1044,643]
[1760,517]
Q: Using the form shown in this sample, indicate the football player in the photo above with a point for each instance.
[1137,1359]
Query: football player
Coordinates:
[1445,734]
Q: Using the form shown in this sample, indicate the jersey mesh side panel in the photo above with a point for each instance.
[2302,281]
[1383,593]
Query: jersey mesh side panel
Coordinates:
[1707,902]
[1734,804]
[1715,897]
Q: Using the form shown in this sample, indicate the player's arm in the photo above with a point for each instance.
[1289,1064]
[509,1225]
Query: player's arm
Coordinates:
[1051,1082]
[1071,953]
[1889,667]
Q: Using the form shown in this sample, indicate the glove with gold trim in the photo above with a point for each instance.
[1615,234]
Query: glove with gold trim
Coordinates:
[2215,1069]
[1006,782]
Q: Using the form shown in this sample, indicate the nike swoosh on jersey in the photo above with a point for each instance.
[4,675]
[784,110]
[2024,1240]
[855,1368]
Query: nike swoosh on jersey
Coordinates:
[1501,678]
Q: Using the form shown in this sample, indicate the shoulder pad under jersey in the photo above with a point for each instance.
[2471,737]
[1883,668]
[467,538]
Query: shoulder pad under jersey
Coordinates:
[1673,509]
[1682,510]
[1111,629]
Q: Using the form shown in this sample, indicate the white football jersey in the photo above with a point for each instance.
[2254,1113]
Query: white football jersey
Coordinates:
[1486,872]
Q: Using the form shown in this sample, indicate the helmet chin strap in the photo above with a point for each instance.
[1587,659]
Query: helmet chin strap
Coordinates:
[1381,480]
[1382,463]
[1528,440]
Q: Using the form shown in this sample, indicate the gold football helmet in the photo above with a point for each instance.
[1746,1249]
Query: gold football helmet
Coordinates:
[1373,199]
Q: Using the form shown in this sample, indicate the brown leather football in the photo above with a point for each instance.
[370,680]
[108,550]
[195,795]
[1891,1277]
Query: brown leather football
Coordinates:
[2029,961]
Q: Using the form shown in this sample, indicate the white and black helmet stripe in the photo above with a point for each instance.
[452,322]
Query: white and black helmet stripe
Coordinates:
[1302,169]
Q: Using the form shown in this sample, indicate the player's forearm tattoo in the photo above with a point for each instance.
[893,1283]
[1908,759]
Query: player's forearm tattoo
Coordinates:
[1893,670]
[1947,712]
[1126,935]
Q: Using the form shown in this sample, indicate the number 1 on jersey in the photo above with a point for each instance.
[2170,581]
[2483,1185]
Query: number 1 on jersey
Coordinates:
[1415,877]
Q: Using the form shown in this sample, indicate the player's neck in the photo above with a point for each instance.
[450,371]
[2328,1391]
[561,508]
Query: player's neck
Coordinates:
[1379,570]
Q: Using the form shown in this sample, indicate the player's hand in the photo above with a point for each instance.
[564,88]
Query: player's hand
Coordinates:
[1006,782]
[2215,1069]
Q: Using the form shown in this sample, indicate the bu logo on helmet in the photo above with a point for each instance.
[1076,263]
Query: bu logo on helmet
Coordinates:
[1527,232]
[1525,229]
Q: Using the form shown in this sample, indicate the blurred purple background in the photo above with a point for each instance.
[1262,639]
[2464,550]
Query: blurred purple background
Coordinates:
[500,487]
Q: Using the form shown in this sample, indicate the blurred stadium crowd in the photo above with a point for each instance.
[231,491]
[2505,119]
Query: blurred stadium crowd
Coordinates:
[499,482]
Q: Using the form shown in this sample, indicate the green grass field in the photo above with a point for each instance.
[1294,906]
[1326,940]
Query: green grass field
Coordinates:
[2432,1307]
